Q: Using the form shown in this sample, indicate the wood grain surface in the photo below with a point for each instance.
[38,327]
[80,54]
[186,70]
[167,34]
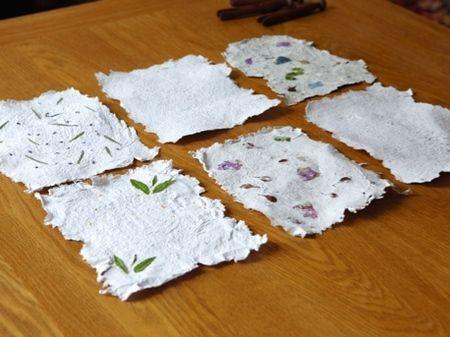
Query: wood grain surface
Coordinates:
[383,272]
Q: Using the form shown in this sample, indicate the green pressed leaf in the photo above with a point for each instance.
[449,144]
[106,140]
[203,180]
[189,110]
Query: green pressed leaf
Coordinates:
[134,260]
[162,186]
[3,125]
[108,151]
[36,113]
[143,264]
[120,264]
[81,157]
[32,141]
[112,140]
[295,72]
[155,180]
[89,108]
[36,160]
[60,124]
[50,116]
[140,186]
[77,136]
[282,139]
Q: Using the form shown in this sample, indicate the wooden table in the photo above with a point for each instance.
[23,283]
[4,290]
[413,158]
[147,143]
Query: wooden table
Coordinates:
[383,272]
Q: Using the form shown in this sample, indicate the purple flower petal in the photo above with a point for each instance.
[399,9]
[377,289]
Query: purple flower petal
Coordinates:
[307,173]
[284,44]
[249,61]
[229,165]
[308,210]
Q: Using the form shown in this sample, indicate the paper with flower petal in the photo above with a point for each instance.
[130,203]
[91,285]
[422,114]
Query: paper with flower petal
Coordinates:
[183,97]
[294,68]
[302,185]
[412,139]
[136,240]
[63,136]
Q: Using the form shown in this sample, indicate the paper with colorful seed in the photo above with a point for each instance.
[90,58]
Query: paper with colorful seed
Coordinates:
[183,97]
[412,139]
[145,228]
[302,185]
[63,136]
[294,68]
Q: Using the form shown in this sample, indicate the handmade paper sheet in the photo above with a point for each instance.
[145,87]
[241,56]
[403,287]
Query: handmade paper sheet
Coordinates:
[302,185]
[412,139]
[145,228]
[294,68]
[63,136]
[183,97]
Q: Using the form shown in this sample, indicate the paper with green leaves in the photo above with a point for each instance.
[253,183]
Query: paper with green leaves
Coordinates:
[147,227]
[64,136]
[294,68]
[412,138]
[302,185]
[184,97]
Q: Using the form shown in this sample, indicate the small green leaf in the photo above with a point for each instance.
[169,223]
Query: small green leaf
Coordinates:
[295,72]
[154,181]
[3,125]
[134,260]
[36,160]
[108,151]
[50,116]
[282,139]
[112,140]
[59,101]
[81,157]
[144,264]
[32,141]
[36,113]
[162,186]
[76,137]
[120,264]
[60,124]
[140,186]
[89,108]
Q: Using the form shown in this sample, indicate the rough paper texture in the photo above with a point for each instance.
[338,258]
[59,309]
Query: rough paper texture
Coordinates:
[183,97]
[294,68]
[63,136]
[175,228]
[302,185]
[412,139]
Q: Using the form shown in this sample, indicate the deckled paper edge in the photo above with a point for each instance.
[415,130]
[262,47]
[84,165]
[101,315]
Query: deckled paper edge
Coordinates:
[257,239]
[408,94]
[101,78]
[152,152]
[369,78]
[200,153]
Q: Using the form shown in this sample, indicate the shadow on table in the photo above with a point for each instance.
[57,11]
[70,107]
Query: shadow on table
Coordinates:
[9,9]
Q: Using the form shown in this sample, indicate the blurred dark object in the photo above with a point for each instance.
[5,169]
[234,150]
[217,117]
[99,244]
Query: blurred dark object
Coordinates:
[12,8]
[437,10]
[273,11]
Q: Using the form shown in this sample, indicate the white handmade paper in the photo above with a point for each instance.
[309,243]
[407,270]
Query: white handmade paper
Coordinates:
[302,185]
[63,136]
[294,68]
[412,139]
[183,97]
[138,238]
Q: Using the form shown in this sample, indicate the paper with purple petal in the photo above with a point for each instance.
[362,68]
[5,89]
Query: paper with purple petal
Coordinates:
[294,68]
[302,185]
